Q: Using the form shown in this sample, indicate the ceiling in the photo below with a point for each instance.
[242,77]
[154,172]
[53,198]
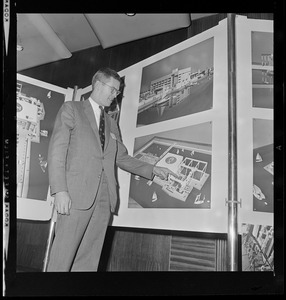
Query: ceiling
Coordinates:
[47,38]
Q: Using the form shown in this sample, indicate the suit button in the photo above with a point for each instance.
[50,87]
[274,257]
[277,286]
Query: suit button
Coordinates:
[98,176]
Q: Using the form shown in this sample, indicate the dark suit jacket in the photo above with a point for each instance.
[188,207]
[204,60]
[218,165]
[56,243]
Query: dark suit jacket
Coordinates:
[76,159]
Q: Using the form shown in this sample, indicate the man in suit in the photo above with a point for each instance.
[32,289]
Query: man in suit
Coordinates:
[82,175]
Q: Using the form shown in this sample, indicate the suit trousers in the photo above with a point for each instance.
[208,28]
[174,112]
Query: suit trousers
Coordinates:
[79,237]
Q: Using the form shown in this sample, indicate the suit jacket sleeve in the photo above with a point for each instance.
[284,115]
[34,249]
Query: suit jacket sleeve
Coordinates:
[127,162]
[58,148]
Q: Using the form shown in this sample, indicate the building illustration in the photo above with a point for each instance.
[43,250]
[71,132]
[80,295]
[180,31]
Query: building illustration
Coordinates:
[191,174]
[172,88]
[30,111]
[257,248]
[184,160]
[268,73]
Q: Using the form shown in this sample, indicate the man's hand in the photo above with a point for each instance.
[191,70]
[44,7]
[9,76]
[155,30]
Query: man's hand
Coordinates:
[63,203]
[163,172]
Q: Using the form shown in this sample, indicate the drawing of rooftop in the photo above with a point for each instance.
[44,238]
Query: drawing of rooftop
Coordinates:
[179,158]
[191,174]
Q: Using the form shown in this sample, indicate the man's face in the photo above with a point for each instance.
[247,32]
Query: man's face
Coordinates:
[107,90]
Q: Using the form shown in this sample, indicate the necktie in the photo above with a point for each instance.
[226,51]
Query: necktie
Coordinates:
[101,127]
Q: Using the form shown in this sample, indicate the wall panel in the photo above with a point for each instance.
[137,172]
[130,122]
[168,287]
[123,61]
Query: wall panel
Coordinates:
[153,250]
[139,251]
[192,254]
[31,244]
[133,52]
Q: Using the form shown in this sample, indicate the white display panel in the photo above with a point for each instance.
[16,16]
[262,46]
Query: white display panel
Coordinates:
[255,140]
[202,121]
[34,128]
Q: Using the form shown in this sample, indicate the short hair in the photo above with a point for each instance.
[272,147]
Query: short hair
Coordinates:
[105,73]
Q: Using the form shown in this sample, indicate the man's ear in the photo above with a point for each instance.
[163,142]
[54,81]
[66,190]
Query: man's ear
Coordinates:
[96,85]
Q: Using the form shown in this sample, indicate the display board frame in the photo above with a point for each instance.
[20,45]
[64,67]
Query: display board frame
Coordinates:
[255,141]
[213,219]
[249,135]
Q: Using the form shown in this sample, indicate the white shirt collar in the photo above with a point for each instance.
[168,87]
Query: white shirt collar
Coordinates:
[96,110]
[93,103]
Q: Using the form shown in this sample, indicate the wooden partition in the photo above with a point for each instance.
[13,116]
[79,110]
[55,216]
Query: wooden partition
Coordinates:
[136,250]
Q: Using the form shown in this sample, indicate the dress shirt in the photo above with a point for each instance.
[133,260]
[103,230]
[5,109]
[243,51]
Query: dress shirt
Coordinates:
[96,110]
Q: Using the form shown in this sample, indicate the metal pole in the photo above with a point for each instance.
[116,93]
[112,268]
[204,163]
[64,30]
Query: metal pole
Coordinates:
[232,243]
[50,239]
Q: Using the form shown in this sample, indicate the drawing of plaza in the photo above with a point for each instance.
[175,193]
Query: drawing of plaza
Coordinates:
[191,187]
